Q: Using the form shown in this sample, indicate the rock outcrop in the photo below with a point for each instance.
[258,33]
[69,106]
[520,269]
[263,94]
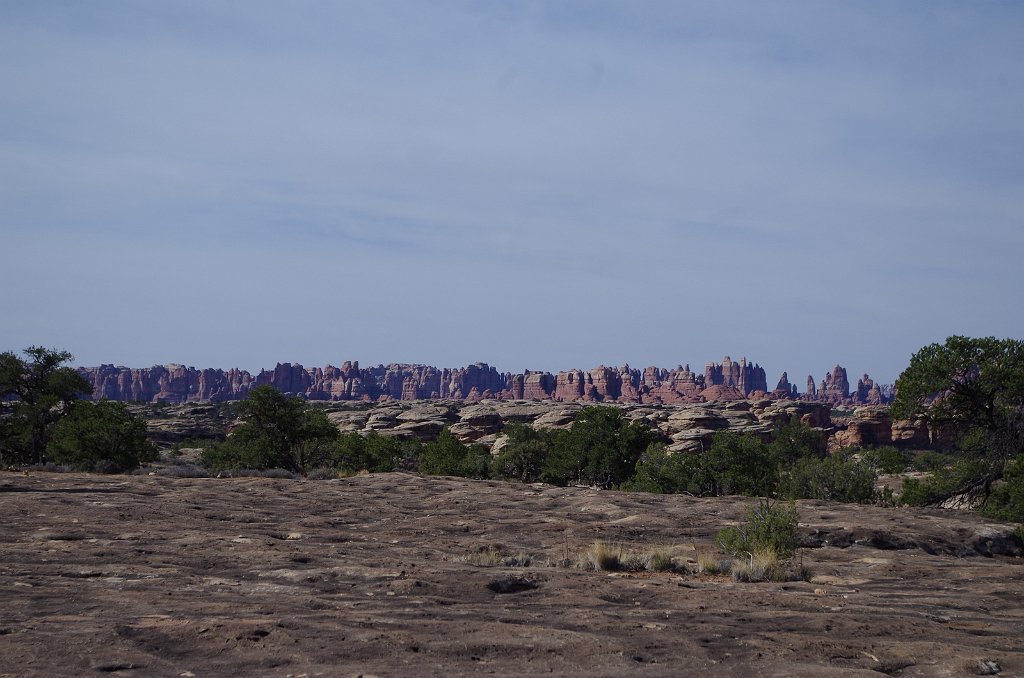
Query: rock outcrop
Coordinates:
[784,389]
[870,426]
[835,387]
[743,376]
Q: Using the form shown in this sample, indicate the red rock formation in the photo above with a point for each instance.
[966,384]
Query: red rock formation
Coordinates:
[538,386]
[570,385]
[911,434]
[176,383]
[720,392]
[784,389]
[835,387]
[870,426]
[742,376]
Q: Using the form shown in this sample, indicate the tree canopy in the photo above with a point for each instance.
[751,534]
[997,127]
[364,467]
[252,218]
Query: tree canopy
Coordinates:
[100,436]
[973,388]
[601,449]
[277,431]
[35,392]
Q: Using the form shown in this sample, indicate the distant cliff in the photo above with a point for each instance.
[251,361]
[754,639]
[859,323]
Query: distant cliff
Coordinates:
[727,380]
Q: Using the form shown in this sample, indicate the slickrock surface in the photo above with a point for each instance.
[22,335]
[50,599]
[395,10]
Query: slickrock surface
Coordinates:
[156,576]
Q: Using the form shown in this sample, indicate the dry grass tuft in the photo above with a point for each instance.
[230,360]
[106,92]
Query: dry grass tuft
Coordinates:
[616,558]
[766,565]
[709,562]
[490,556]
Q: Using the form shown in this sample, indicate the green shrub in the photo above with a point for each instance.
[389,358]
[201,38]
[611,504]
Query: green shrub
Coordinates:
[448,456]
[373,452]
[523,456]
[661,472]
[735,464]
[830,479]
[886,459]
[35,393]
[768,527]
[601,449]
[1006,501]
[962,476]
[795,441]
[761,565]
[100,436]
[931,461]
[276,432]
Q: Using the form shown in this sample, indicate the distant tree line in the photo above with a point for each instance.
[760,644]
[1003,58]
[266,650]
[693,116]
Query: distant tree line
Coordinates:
[970,389]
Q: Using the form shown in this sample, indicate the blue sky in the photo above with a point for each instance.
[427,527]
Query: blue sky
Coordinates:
[535,185]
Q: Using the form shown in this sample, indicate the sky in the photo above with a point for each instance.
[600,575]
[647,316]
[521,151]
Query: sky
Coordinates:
[535,185]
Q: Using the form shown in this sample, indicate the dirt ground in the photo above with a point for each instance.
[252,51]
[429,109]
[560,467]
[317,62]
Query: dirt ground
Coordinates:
[375,575]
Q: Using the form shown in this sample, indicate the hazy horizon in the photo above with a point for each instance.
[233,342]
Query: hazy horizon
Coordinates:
[535,185]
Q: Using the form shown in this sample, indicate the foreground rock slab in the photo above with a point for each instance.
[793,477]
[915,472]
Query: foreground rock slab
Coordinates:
[154,576]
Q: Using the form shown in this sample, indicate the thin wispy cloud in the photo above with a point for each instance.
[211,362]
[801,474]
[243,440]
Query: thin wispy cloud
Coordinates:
[534,184]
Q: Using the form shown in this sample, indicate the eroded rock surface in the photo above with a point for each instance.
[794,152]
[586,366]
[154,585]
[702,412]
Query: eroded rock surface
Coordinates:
[148,575]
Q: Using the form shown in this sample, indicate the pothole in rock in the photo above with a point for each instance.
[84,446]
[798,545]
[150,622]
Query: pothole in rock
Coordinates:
[512,585]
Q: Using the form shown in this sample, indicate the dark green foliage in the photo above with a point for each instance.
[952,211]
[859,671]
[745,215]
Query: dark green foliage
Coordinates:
[600,449]
[973,388]
[830,479]
[374,453]
[968,475]
[34,394]
[277,432]
[523,456]
[1006,502]
[768,527]
[735,464]
[100,436]
[448,456]
[886,459]
[931,461]
[794,441]
[661,472]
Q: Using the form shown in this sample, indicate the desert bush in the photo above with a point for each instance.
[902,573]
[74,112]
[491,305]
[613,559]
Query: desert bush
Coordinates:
[768,526]
[735,464]
[1006,500]
[373,452]
[600,449]
[794,441]
[886,459]
[660,562]
[709,562]
[602,556]
[762,565]
[830,479]
[617,558]
[523,456]
[660,472]
[963,476]
[276,432]
[100,436]
[448,456]
[931,461]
